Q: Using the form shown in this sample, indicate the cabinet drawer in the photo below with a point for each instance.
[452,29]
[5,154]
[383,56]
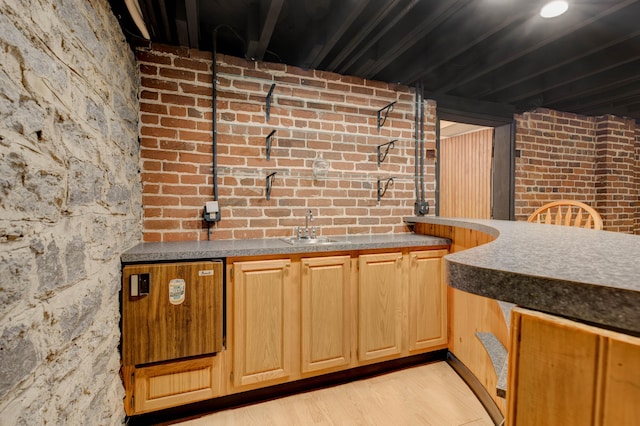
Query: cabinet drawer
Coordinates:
[168,385]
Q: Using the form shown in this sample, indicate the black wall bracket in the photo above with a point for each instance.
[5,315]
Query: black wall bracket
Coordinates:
[270,178]
[382,188]
[268,143]
[382,155]
[383,118]
[268,101]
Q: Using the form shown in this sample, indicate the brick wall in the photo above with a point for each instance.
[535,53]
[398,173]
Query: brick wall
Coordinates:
[555,159]
[589,159]
[616,185]
[637,206]
[313,113]
[560,155]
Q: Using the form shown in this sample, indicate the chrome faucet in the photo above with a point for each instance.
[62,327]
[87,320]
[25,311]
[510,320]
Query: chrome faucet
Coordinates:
[308,217]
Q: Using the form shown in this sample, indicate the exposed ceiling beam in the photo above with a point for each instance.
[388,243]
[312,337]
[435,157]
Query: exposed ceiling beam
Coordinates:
[335,26]
[545,63]
[165,20]
[364,32]
[182,28]
[193,26]
[253,29]
[620,97]
[444,50]
[149,16]
[628,74]
[497,59]
[373,39]
[267,28]
[572,72]
[260,27]
[419,28]
[586,61]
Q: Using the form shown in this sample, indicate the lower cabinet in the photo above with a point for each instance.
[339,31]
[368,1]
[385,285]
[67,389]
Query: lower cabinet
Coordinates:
[263,316]
[566,373]
[302,316]
[393,289]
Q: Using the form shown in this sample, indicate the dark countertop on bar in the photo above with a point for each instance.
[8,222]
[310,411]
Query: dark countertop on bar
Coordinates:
[194,250]
[592,276]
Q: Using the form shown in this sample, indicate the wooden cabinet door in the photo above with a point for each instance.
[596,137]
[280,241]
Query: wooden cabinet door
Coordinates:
[263,316]
[380,306]
[621,384]
[427,300]
[325,313]
[566,373]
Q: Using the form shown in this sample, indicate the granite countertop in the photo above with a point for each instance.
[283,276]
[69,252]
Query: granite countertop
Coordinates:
[593,276]
[193,250]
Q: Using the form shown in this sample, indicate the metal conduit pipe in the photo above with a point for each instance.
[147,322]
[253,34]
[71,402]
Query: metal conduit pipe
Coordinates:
[421,207]
[422,189]
[417,149]
[214,83]
[213,215]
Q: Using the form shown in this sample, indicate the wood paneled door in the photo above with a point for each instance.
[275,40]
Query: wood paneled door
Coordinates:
[465,175]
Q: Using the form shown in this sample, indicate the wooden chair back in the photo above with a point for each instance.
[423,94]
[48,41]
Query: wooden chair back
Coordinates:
[567,213]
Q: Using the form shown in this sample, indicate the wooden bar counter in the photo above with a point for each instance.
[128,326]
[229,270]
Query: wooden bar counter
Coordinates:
[574,350]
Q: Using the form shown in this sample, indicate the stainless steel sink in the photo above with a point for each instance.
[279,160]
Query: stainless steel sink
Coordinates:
[309,241]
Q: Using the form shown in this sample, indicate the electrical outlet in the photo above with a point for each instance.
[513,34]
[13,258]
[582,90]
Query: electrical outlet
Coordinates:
[421,208]
[211,211]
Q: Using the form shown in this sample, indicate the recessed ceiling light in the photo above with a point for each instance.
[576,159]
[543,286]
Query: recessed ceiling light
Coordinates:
[554,8]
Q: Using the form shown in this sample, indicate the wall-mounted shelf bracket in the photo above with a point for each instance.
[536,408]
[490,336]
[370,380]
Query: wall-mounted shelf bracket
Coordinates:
[383,114]
[268,108]
[382,155]
[269,183]
[268,142]
[382,188]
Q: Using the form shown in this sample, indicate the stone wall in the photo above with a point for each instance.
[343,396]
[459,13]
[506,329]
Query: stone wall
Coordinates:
[70,203]
[312,112]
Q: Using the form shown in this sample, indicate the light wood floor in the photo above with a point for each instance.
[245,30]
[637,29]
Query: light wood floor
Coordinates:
[431,394]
